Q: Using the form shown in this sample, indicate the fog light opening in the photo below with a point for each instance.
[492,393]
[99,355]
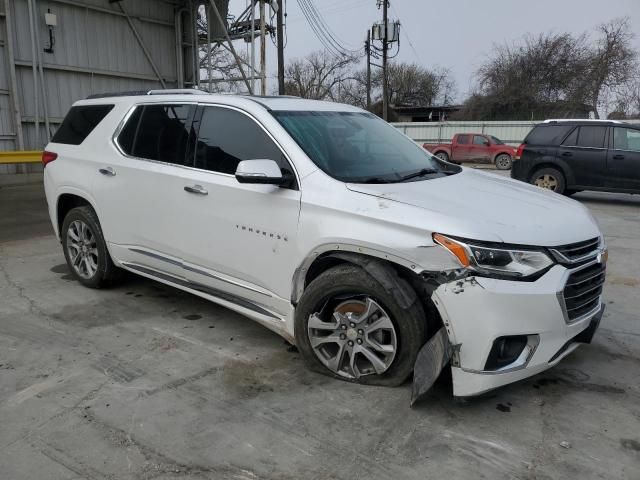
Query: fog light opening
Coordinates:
[510,352]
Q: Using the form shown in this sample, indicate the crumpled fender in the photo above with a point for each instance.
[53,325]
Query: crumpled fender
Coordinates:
[431,360]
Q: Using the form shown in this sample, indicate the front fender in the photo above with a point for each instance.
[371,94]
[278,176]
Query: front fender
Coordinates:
[430,259]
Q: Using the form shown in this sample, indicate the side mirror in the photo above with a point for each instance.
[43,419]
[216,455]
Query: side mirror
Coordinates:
[264,172]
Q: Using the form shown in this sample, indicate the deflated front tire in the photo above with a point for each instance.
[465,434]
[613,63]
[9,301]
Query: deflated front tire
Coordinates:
[349,326]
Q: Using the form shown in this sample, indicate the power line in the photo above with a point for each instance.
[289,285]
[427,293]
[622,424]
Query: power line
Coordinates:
[316,30]
[406,34]
[327,28]
[335,8]
[323,32]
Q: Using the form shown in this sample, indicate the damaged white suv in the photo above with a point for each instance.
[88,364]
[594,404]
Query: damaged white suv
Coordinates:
[330,227]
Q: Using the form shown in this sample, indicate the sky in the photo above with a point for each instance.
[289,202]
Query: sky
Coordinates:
[455,34]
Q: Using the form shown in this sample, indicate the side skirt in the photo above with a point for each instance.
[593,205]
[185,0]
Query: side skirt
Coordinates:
[249,309]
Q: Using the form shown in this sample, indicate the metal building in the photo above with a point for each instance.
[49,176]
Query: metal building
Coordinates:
[54,52]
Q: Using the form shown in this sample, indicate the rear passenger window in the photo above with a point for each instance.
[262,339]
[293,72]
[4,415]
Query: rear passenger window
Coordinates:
[547,134]
[157,132]
[227,136]
[463,139]
[79,123]
[591,136]
[626,139]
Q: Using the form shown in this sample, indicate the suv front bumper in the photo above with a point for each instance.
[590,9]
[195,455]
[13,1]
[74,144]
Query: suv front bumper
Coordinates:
[477,312]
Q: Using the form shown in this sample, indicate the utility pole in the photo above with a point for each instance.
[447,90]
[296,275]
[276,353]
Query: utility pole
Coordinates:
[367,47]
[280,33]
[253,45]
[263,48]
[385,100]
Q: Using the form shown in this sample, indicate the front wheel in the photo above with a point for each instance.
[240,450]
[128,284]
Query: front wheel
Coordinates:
[86,250]
[503,161]
[349,326]
[549,178]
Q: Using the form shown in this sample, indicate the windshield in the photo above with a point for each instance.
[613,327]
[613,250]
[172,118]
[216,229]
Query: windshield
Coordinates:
[496,140]
[358,147]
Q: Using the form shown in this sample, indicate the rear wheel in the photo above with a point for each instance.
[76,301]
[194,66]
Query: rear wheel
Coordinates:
[86,250]
[443,156]
[350,327]
[549,178]
[503,161]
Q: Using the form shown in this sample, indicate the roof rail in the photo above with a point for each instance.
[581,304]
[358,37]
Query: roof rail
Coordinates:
[556,120]
[136,93]
[177,91]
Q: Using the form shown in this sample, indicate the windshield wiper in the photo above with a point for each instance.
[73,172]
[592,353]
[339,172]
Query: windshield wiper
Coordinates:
[420,173]
[373,180]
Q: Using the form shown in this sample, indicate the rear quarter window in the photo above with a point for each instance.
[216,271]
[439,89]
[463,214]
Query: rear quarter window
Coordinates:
[548,134]
[79,123]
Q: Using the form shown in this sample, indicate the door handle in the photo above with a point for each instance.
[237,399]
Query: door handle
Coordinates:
[108,171]
[618,157]
[567,154]
[197,189]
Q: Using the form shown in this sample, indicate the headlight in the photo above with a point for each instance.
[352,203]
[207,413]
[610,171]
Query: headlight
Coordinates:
[513,263]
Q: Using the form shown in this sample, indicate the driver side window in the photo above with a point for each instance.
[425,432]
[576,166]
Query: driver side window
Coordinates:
[227,136]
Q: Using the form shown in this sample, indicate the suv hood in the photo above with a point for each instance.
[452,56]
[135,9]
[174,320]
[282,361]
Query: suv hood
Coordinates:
[489,207]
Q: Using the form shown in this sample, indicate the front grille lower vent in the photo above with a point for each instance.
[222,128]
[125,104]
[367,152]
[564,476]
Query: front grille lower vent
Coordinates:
[582,290]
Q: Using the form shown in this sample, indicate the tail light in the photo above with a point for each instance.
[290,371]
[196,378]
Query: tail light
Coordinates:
[48,157]
[519,151]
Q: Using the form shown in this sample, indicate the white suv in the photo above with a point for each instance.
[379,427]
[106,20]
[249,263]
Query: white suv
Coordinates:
[331,228]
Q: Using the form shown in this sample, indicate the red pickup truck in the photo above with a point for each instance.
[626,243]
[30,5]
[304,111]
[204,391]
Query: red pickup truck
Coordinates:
[474,147]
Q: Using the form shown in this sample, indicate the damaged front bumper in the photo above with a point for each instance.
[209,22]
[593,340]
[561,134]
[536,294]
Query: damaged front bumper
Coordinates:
[497,332]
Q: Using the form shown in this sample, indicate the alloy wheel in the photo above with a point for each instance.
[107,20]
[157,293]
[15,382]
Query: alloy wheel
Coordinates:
[353,339]
[503,162]
[546,181]
[82,249]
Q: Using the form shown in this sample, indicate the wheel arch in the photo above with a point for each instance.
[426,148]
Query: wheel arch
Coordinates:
[67,201]
[442,150]
[384,268]
[564,170]
[503,152]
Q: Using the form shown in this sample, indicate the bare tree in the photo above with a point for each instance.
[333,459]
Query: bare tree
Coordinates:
[411,84]
[353,89]
[317,76]
[531,79]
[612,61]
[627,102]
[554,74]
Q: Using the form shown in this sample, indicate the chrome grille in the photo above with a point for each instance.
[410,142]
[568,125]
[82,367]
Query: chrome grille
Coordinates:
[582,291]
[576,252]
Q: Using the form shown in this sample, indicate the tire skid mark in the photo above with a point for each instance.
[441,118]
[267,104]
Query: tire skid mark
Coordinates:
[361,461]
[64,459]
[118,370]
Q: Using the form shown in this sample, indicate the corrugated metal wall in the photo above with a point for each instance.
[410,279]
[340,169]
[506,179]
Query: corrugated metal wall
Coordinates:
[95,51]
[441,132]
[7,130]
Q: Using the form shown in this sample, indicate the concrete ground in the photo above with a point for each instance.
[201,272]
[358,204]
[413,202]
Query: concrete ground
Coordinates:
[146,382]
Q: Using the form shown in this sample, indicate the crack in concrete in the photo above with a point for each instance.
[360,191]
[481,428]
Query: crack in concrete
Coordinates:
[32,306]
